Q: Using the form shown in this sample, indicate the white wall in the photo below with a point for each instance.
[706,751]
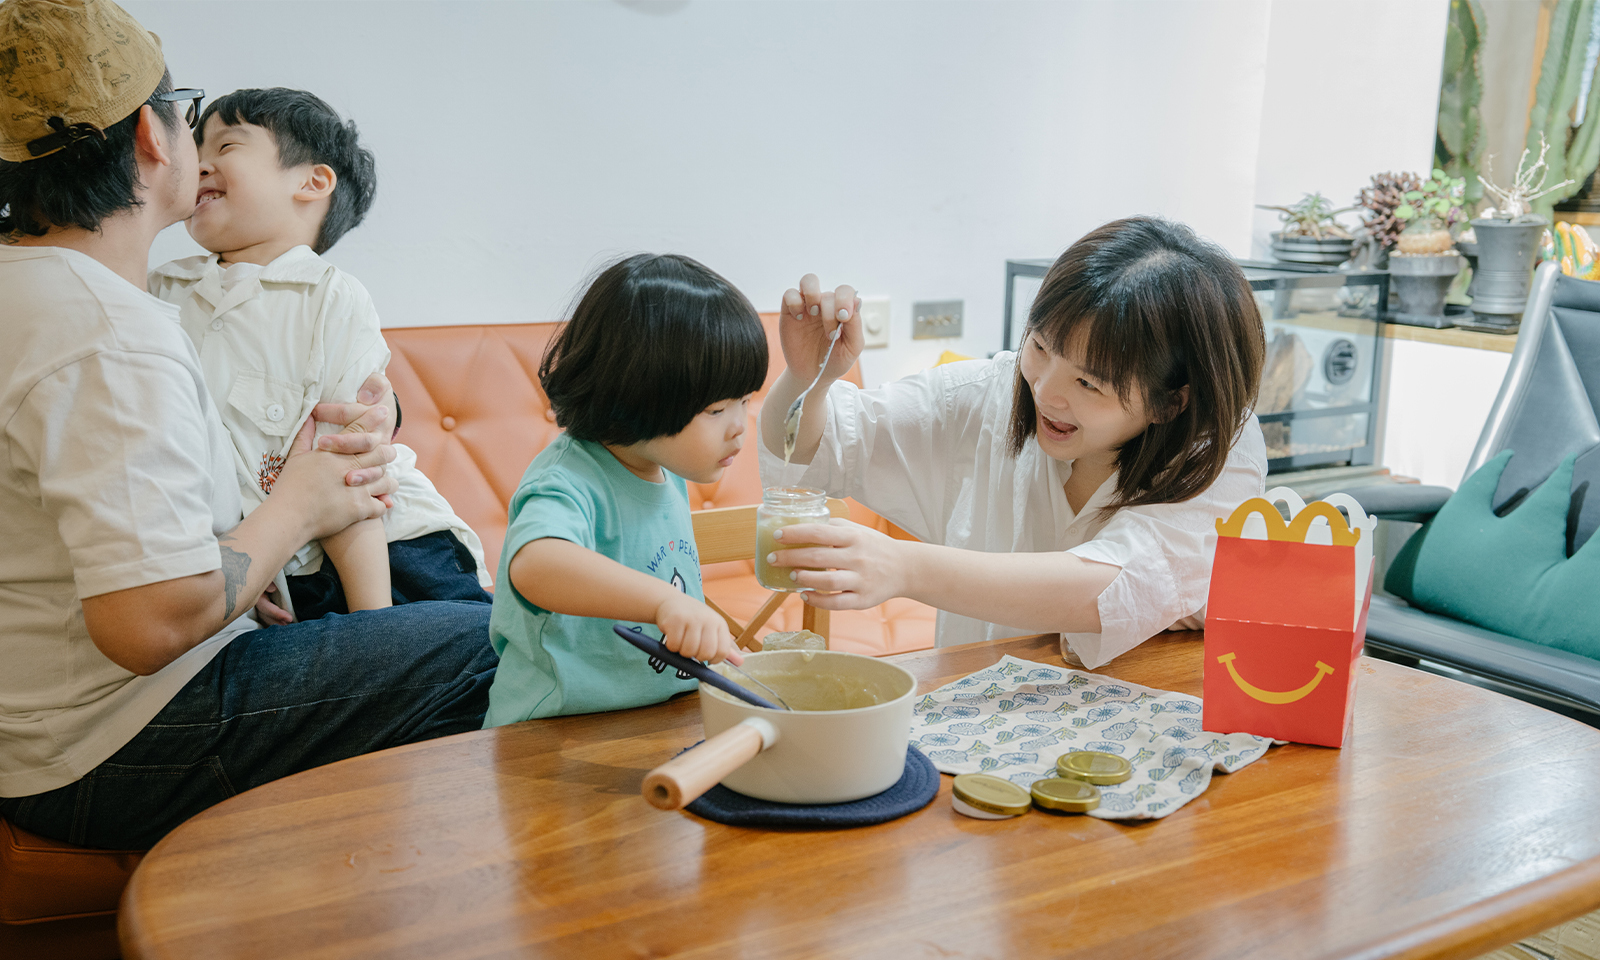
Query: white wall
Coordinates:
[1352,89]
[1438,398]
[909,148]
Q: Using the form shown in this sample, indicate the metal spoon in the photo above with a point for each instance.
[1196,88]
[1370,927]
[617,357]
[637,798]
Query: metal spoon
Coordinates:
[740,671]
[791,420]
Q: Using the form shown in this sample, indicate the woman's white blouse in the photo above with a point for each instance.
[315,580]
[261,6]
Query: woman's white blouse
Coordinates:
[928,453]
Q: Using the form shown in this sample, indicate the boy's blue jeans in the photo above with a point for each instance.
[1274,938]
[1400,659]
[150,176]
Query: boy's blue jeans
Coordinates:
[275,702]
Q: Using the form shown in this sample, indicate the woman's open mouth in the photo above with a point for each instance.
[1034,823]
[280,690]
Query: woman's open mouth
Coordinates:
[1056,429]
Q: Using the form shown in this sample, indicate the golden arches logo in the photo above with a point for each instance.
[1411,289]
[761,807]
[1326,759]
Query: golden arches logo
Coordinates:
[1273,696]
[1294,531]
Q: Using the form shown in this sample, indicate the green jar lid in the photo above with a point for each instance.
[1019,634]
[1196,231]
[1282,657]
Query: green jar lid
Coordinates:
[1066,795]
[991,795]
[1093,766]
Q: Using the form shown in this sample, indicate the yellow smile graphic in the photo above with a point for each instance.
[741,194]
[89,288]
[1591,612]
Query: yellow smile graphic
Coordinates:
[1273,696]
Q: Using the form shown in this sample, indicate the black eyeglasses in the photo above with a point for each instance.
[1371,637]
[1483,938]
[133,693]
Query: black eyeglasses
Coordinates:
[195,97]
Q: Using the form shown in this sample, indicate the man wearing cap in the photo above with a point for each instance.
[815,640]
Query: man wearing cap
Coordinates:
[135,691]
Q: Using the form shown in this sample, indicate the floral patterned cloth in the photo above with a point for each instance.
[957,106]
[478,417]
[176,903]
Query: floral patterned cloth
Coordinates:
[1015,718]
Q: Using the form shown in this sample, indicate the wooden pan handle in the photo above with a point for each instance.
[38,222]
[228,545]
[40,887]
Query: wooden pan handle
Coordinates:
[680,781]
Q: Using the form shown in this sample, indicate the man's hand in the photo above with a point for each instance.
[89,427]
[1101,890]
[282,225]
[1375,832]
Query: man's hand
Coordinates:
[373,411]
[328,495]
[694,630]
[368,424]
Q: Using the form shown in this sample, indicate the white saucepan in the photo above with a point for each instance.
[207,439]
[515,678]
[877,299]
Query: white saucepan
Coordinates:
[801,755]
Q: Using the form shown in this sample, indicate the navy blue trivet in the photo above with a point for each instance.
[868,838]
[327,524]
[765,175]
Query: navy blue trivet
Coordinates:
[915,789]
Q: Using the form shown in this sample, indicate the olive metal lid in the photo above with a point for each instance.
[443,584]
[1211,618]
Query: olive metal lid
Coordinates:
[1066,795]
[1093,766]
[992,794]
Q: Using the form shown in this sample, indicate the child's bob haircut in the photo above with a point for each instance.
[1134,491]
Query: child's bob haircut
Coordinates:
[307,130]
[1155,309]
[655,340]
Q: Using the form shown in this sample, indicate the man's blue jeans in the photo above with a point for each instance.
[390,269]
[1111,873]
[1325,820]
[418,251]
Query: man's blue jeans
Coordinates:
[275,702]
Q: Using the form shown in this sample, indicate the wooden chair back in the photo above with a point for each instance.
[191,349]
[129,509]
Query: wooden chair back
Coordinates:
[729,533]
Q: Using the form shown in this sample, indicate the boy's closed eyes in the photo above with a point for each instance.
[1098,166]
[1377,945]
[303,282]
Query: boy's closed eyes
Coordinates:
[250,207]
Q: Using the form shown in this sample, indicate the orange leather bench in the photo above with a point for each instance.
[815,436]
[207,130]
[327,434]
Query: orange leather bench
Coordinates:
[475,414]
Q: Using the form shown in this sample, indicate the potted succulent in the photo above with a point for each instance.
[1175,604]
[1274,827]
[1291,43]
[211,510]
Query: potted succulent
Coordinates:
[1507,237]
[1424,262]
[1381,228]
[1381,198]
[1310,233]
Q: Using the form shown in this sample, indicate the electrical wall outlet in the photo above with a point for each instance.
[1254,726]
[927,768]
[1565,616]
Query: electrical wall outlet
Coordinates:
[936,319]
[875,321]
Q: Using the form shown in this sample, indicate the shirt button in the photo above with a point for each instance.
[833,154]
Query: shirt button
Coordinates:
[216,324]
[449,423]
[708,505]
[275,412]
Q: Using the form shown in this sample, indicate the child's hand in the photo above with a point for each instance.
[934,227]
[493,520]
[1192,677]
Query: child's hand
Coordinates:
[269,613]
[806,323]
[692,629]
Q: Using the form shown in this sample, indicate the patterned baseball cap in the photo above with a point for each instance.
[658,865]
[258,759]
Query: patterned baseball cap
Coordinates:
[68,70]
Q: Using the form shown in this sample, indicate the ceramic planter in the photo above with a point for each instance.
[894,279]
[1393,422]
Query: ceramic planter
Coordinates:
[1506,255]
[1424,238]
[1421,284]
[1469,249]
[1330,252]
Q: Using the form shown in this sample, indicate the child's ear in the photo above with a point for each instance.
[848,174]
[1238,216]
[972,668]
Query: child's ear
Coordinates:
[1179,403]
[318,183]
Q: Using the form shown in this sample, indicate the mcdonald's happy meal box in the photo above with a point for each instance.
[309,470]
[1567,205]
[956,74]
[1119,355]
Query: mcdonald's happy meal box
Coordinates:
[1286,618]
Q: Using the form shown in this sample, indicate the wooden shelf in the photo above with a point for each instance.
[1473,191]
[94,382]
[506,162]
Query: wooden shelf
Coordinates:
[1452,337]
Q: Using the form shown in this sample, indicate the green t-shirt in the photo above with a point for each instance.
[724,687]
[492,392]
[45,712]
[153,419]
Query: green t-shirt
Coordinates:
[553,664]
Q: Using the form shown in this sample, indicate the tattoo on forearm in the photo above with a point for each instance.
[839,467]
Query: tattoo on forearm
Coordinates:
[235,570]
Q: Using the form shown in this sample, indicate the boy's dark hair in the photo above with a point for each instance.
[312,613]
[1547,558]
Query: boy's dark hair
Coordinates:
[655,340]
[307,130]
[82,184]
[1161,310]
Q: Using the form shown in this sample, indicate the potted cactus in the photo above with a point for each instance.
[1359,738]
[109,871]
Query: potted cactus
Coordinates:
[1424,262]
[1310,233]
[1508,236]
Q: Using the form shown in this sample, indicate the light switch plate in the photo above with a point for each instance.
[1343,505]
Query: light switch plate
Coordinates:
[875,321]
[936,319]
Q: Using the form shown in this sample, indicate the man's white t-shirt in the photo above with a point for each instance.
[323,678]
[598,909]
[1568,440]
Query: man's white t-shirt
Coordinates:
[115,472]
[929,454]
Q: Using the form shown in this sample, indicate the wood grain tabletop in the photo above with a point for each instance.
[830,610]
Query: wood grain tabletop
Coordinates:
[1454,820]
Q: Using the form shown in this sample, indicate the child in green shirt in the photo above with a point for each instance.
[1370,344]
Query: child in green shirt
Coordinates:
[651,380]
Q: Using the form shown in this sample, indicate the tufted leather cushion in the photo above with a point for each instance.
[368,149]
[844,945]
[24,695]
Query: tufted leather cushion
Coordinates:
[28,863]
[58,901]
[475,415]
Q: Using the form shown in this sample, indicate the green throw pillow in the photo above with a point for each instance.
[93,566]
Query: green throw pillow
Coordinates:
[1508,574]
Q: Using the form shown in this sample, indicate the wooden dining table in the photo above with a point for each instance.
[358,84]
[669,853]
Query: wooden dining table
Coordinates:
[1454,820]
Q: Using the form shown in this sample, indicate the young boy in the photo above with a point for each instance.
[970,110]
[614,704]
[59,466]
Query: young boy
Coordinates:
[279,329]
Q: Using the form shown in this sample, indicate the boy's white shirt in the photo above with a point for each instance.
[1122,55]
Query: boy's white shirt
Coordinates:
[929,454]
[273,343]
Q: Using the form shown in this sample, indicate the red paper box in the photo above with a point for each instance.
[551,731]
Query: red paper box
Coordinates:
[1286,619]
